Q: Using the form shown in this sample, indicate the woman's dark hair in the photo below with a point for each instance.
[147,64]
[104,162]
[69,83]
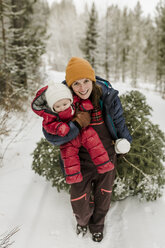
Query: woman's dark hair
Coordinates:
[96,94]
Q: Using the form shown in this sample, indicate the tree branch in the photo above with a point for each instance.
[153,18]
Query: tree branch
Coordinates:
[5,238]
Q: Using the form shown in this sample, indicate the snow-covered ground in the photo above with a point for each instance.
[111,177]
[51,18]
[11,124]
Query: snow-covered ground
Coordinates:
[45,217]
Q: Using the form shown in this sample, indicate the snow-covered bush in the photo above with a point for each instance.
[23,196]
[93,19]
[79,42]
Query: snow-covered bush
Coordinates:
[140,172]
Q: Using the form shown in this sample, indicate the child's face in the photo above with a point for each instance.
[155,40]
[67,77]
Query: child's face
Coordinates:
[62,104]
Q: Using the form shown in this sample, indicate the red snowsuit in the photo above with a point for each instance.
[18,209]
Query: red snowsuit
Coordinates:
[88,137]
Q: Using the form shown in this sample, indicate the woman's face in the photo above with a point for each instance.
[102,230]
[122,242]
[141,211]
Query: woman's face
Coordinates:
[82,88]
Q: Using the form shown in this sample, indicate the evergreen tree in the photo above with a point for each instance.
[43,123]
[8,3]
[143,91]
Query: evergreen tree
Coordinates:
[117,45]
[81,27]
[122,43]
[111,45]
[89,43]
[125,44]
[46,162]
[106,63]
[23,44]
[3,30]
[4,36]
[148,71]
[18,42]
[62,30]
[36,36]
[160,22]
[135,53]
[140,172]
[106,43]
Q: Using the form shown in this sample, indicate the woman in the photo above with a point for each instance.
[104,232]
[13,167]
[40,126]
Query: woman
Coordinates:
[90,199]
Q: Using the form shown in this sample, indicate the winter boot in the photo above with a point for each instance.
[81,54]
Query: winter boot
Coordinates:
[97,237]
[81,229]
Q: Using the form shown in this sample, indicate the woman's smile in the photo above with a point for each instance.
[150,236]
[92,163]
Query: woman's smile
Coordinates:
[83,92]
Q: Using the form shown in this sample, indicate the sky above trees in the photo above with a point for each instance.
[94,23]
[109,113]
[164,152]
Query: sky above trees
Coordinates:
[148,7]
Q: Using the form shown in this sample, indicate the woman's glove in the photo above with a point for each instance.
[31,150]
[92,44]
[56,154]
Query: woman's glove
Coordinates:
[122,146]
[83,119]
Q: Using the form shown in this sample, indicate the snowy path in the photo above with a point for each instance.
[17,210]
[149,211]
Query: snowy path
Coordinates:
[45,216]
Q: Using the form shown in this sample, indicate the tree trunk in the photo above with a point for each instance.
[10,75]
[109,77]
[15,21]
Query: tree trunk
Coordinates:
[123,65]
[18,26]
[3,31]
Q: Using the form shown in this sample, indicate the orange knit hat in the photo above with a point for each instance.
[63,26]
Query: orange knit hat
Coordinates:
[78,68]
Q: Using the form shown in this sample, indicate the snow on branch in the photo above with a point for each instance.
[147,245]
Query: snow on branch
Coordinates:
[5,238]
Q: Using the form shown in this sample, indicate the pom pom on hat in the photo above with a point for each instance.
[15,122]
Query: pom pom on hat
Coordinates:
[78,68]
[122,146]
[56,92]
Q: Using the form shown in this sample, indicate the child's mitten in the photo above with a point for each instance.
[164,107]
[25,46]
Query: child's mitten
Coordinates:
[63,129]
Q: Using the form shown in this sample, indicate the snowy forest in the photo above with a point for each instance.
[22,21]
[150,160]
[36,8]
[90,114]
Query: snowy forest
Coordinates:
[125,47]
[120,45]
[123,44]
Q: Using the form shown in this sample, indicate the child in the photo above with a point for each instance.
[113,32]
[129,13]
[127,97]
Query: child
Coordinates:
[57,106]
